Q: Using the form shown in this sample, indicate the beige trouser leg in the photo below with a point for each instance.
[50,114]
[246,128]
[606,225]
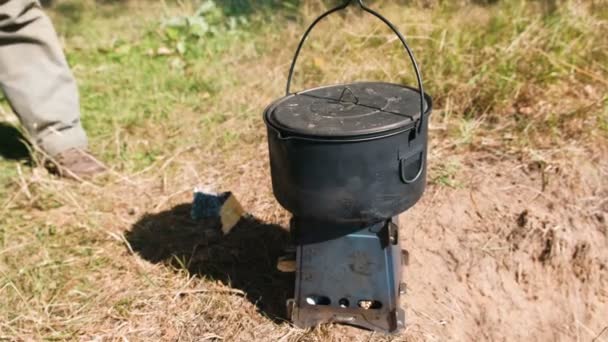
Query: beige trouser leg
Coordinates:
[36,79]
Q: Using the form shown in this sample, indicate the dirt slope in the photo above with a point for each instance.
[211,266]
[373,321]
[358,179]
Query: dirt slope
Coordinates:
[506,258]
[515,250]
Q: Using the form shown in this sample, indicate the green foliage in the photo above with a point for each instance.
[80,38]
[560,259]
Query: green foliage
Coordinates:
[445,174]
[209,19]
[267,7]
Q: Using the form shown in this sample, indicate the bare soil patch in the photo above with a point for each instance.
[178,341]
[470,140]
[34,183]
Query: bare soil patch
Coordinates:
[517,253]
[514,251]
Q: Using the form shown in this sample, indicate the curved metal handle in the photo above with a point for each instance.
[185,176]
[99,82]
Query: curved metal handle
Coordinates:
[388,23]
[418,174]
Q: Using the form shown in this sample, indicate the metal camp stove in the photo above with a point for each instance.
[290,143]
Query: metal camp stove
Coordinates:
[352,279]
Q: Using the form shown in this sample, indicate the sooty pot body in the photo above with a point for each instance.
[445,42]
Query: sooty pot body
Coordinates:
[354,181]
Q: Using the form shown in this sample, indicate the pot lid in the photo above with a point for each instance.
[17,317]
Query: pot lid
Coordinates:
[347,110]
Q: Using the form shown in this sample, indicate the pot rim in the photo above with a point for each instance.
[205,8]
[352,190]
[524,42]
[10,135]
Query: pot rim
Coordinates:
[286,134]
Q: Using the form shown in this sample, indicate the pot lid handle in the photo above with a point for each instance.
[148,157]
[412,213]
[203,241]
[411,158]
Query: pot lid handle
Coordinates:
[388,23]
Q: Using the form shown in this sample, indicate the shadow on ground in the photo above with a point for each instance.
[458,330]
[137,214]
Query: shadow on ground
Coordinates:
[12,143]
[244,259]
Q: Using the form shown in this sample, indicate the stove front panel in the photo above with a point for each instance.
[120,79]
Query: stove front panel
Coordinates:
[354,279]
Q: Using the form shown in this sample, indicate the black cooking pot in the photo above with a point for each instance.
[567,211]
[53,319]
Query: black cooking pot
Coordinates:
[351,153]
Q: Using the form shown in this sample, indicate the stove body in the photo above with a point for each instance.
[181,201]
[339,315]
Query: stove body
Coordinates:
[351,279]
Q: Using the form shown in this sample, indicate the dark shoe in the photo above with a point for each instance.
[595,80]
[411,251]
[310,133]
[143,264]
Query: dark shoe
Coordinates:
[76,164]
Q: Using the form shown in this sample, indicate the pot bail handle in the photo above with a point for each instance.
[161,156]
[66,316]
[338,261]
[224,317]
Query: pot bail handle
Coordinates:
[388,23]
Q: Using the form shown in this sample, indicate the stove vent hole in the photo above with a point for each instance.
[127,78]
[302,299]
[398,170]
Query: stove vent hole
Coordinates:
[318,300]
[344,303]
[370,304]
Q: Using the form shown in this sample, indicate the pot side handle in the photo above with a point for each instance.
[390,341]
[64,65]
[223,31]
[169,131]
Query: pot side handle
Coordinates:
[404,162]
[389,24]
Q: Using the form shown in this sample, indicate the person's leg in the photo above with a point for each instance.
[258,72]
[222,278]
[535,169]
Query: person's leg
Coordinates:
[36,79]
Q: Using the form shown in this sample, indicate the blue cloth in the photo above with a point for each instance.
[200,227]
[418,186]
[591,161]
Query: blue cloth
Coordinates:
[208,205]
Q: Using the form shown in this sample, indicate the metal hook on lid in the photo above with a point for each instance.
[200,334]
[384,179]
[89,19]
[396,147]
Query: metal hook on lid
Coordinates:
[347,95]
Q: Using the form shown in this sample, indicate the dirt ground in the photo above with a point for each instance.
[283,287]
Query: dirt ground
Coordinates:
[508,258]
[502,248]
[514,250]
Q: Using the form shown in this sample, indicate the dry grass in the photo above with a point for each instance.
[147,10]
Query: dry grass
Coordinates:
[520,90]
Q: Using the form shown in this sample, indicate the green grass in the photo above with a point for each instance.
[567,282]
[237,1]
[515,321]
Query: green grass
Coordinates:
[481,60]
[163,108]
[130,90]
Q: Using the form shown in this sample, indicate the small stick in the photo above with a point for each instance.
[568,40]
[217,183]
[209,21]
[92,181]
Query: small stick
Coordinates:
[195,291]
